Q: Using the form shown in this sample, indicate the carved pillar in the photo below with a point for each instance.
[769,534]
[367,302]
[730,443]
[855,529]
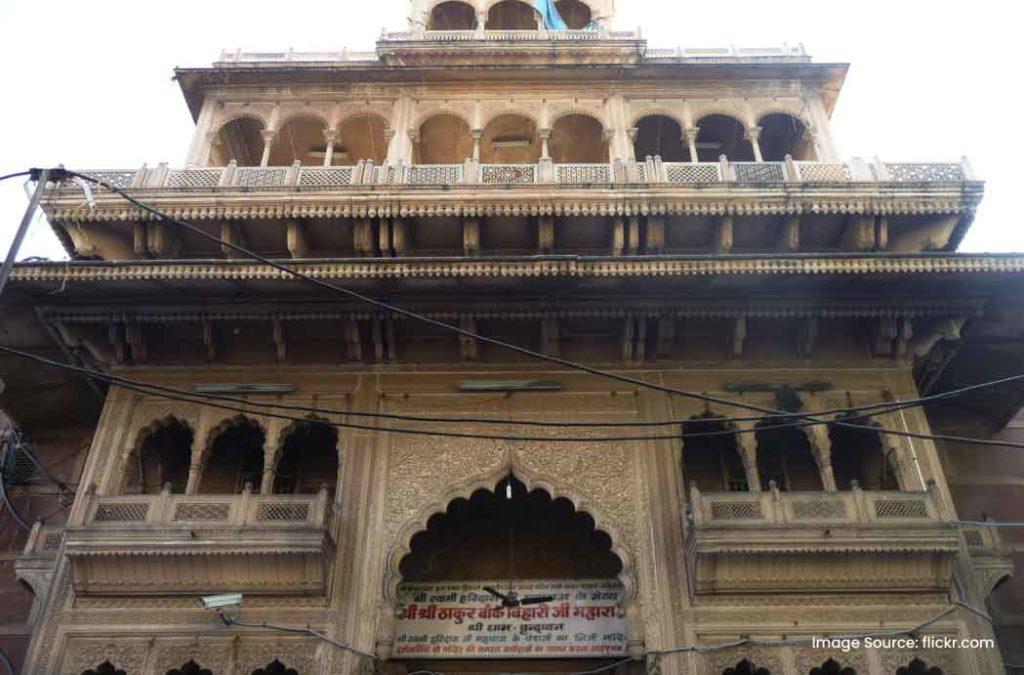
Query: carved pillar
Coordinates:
[821,445]
[690,135]
[477,135]
[723,235]
[655,234]
[753,134]
[545,138]
[618,235]
[331,136]
[268,143]
[269,471]
[631,135]
[747,444]
[790,239]
[481,23]
[471,235]
[545,234]
[195,470]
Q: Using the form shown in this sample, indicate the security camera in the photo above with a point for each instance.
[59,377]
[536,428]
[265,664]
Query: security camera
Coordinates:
[222,601]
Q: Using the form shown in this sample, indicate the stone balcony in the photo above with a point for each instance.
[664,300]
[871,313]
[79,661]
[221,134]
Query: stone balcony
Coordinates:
[821,542]
[398,46]
[651,173]
[193,544]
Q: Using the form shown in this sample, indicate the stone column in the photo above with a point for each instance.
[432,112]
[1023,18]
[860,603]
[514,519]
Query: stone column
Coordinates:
[331,136]
[753,134]
[477,135]
[690,135]
[631,135]
[268,143]
[481,23]
[545,138]
[821,445]
[748,453]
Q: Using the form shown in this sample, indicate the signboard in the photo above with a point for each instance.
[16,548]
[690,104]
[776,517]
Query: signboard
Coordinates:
[453,620]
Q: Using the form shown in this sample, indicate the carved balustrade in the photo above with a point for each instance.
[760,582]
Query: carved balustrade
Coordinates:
[856,541]
[172,544]
[653,171]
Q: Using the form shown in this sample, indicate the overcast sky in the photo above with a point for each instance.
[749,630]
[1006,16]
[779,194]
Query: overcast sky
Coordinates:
[88,84]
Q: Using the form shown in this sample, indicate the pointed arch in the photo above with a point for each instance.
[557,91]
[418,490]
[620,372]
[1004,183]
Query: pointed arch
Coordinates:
[233,456]
[161,453]
[190,667]
[275,667]
[402,545]
[362,135]
[105,668]
[306,457]
[714,463]
[238,137]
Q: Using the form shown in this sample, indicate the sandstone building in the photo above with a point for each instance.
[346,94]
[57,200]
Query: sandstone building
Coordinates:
[679,217]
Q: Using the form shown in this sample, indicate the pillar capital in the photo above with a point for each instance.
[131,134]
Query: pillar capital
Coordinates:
[632,132]
[690,134]
[545,134]
[753,133]
[330,135]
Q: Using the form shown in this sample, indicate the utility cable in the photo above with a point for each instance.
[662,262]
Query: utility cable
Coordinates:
[231,621]
[203,399]
[59,173]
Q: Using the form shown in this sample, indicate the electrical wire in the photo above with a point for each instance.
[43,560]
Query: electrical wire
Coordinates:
[16,174]
[574,365]
[231,621]
[58,173]
[204,399]
[5,659]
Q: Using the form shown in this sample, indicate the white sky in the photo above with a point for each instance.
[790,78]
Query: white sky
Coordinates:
[88,84]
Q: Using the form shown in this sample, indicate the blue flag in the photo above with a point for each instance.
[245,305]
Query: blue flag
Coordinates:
[552,19]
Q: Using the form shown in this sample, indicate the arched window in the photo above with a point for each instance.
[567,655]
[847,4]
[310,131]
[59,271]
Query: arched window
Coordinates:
[918,667]
[578,139]
[859,454]
[361,137]
[661,136]
[443,139]
[745,667]
[105,668]
[452,15]
[163,456]
[190,668]
[302,139]
[832,667]
[511,15]
[722,135]
[783,135]
[784,455]
[576,15]
[275,667]
[510,139]
[236,458]
[712,462]
[308,460]
[241,140]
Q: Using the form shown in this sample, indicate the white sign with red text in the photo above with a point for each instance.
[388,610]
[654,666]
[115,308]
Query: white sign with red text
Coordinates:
[451,620]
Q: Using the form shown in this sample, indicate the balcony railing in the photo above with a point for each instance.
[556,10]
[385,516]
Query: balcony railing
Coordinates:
[649,172]
[203,542]
[855,541]
[390,39]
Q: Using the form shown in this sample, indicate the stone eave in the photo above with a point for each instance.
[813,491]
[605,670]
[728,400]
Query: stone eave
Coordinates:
[829,77]
[549,267]
[368,201]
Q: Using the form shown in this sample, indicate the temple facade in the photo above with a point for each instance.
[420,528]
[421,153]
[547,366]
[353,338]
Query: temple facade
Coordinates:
[396,495]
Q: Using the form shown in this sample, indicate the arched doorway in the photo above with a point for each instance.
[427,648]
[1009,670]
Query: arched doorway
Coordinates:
[661,136]
[508,580]
[452,15]
[511,15]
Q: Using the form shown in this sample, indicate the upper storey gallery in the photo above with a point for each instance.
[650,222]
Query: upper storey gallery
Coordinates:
[488,128]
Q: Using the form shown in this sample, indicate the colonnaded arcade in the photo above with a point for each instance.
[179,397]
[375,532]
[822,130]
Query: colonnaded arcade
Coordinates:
[677,216]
